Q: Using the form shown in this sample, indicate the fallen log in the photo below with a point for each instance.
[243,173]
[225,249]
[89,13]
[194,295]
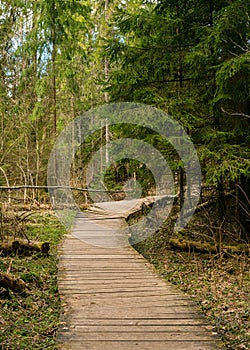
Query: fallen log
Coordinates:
[205,247]
[22,247]
[8,281]
[187,245]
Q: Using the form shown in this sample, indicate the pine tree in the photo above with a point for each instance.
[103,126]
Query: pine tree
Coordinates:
[192,60]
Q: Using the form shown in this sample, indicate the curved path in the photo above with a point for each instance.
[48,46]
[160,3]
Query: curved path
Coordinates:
[112,297]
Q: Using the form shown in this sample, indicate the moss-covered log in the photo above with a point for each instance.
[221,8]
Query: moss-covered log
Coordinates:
[8,281]
[22,247]
[205,247]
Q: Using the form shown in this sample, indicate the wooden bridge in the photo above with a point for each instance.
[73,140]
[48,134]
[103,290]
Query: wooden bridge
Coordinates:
[112,297]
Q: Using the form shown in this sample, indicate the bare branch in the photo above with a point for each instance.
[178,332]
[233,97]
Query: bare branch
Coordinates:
[10,188]
[235,113]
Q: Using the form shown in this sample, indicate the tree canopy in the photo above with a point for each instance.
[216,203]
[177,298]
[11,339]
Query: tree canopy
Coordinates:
[188,58]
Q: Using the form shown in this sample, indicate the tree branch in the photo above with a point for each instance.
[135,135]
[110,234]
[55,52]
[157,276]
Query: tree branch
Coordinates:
[235,113]
[10,188]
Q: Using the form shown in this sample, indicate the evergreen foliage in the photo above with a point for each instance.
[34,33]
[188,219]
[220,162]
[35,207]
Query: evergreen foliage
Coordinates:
[192,60]
[188,58]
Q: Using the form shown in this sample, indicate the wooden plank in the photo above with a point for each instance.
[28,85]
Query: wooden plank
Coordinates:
[138,345]
[141,336]
[157,321]
[136,321]
[161,328]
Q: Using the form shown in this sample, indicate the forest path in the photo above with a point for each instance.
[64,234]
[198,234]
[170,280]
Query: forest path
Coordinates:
[112,297]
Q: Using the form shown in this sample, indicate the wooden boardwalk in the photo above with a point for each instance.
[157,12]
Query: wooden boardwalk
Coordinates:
[114,300]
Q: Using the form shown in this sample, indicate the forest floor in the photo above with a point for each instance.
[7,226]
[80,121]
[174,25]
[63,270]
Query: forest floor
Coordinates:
[29,320]
[218,283]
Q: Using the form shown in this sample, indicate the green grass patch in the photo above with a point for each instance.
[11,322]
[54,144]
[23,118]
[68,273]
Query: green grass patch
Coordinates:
[30,320]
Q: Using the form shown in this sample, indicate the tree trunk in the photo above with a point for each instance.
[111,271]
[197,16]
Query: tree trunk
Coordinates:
[221,207]
[53,34]
[244,205]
